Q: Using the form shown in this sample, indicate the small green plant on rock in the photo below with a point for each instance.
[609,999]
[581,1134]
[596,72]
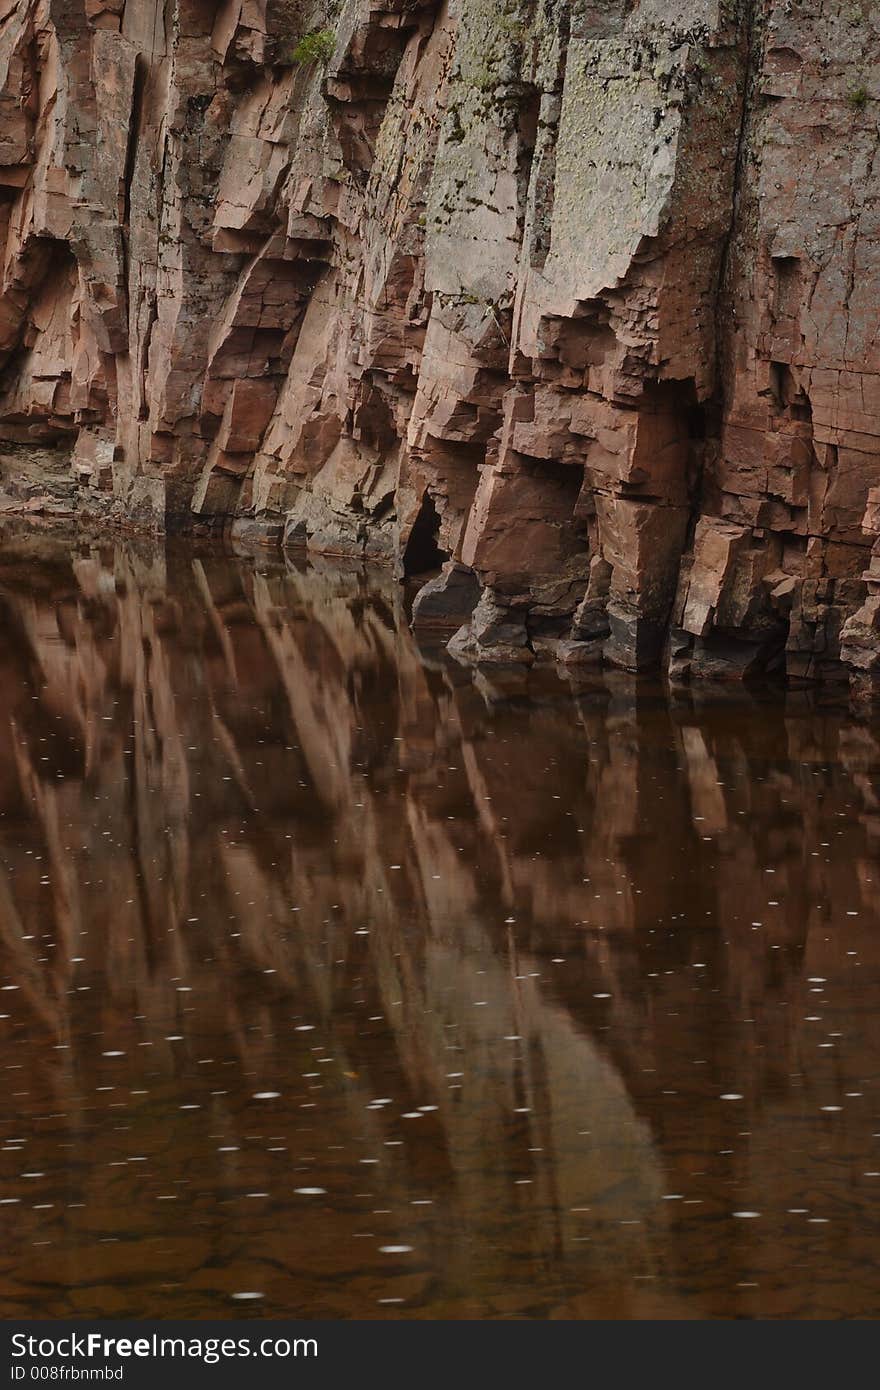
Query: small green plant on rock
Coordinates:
[858,98]
[315,47]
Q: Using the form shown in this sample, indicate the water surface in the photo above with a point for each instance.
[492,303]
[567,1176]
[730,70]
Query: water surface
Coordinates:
[334,982]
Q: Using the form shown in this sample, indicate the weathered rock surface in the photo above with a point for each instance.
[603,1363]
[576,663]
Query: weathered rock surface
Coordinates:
[580,298]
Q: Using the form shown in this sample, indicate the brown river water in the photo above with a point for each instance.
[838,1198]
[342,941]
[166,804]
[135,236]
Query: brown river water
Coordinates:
[337,983]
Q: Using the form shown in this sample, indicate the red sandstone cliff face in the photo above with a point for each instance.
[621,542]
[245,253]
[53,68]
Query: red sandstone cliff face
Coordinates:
[579,300]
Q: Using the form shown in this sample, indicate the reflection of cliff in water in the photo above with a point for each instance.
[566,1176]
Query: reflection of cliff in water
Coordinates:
[252,843]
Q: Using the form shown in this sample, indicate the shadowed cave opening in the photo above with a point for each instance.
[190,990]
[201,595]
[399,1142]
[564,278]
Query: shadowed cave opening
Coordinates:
[423,553]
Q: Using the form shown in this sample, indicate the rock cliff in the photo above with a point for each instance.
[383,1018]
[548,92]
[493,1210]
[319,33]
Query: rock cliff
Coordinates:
[574,302]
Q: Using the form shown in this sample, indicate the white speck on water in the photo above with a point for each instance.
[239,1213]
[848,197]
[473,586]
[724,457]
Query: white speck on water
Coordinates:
[395,1249]
[745,1214]
[310,1191]
[731,1095]
[266,1095]
[247,1295]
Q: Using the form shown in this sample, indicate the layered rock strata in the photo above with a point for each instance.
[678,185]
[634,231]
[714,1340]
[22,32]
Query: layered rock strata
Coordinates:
[574,303]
